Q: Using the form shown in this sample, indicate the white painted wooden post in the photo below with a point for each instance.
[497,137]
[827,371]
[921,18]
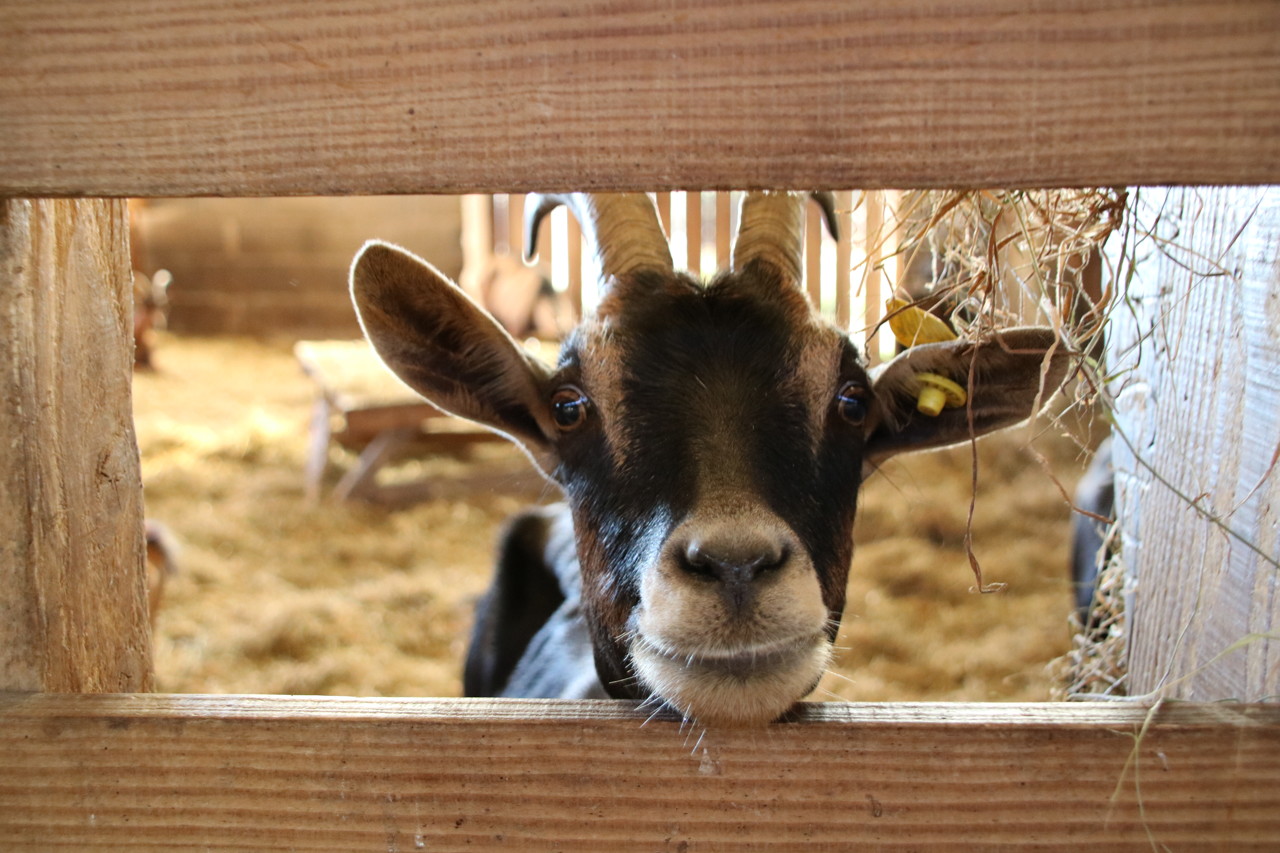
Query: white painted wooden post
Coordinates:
[1197,350]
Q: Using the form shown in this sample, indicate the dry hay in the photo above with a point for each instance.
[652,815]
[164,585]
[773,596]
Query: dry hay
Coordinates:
[1097,664]
[915,627]
[277,596]
[990,259]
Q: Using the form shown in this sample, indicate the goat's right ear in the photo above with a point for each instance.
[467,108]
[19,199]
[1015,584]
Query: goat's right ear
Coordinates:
[448,349]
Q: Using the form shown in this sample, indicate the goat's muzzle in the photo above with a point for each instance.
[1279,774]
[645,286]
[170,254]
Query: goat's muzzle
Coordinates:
[731,627]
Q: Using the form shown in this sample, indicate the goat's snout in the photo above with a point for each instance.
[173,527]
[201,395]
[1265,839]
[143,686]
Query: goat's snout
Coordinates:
[736,559]
[731,622]
[731,557]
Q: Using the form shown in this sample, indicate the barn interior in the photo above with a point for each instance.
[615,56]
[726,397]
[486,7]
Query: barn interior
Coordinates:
[306,562]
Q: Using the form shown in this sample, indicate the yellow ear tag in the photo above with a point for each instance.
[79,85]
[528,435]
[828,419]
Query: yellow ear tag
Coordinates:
[913,326]
[938,393]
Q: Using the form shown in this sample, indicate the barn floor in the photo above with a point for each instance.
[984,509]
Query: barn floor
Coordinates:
[274,595]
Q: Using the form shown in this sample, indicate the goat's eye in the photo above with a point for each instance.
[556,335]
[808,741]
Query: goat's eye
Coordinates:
[851,402]
[569,407]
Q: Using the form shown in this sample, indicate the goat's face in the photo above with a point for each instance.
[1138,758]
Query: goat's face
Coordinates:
[712,477]
[711,440]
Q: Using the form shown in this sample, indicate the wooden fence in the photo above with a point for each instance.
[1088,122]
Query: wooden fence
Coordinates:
[844,277]
[116,99]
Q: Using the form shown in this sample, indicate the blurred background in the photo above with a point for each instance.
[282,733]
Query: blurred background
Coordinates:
[327,533]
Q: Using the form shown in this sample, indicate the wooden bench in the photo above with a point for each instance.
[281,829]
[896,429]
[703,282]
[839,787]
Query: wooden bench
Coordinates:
[362,407]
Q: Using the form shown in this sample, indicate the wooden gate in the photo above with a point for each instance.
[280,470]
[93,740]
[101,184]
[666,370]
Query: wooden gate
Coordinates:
[116,99]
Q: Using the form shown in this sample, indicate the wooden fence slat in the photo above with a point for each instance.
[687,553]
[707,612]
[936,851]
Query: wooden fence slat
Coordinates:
[501,230]
[873,213]
[337,97]
[813,254]
[72,597]
[663,203]
[844,257]
[545,241]
[574,290]
[311,773]
[693,230]
[515,225]
[724,230]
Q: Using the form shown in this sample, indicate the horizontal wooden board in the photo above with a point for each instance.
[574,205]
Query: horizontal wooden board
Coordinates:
[358,97]
[308,773]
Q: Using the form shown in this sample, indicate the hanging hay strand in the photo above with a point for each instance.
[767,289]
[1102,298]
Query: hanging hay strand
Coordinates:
[987,260]
[991,259]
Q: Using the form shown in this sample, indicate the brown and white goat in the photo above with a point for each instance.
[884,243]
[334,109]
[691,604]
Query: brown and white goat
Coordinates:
[710,439]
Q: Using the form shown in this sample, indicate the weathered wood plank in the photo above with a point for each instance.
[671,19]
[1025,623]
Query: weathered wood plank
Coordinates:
[241,772]
[1196,350]
[693,232]
[362,97]
[725,227]
[872,273]
[844,257]
[73,612]
[813,229]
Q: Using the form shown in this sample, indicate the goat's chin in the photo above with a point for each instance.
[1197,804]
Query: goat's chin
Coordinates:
[747,688]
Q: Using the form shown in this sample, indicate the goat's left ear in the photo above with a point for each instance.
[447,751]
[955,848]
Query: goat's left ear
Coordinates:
[448,349]
[1009,376]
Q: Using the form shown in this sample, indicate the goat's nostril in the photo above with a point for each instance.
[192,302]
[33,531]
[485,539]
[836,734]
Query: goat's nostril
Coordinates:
[732,561]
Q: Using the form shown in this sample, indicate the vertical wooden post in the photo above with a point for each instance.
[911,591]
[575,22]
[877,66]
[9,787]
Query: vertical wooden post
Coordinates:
[1197,351]
[844,256]
[663,202]
[515,225]
[73,613]
[545,250]
[500,227]
[813,255]
[874,211]
[724,230]
[693,230]
[478,235]
[575,267]
[477,229]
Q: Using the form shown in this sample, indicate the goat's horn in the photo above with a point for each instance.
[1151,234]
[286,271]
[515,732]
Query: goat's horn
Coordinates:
[771,229]
[623,228]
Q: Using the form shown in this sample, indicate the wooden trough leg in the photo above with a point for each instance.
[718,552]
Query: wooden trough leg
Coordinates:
[361,480]
[73,612]
[318,451]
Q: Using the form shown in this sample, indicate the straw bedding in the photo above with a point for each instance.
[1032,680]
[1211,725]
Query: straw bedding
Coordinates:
[275,595]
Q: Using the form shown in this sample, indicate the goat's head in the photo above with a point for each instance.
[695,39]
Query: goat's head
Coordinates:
[710,437]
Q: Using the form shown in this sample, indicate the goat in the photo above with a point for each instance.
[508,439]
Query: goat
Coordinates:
[150,311]
[710,439]
[1090,541]
[161,561]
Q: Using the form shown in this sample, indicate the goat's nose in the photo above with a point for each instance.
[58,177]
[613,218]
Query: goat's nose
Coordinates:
[733,559]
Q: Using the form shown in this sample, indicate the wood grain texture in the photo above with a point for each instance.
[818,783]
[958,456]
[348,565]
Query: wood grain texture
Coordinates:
[238,773]
[1197,353]
[359,97]
[73,613]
